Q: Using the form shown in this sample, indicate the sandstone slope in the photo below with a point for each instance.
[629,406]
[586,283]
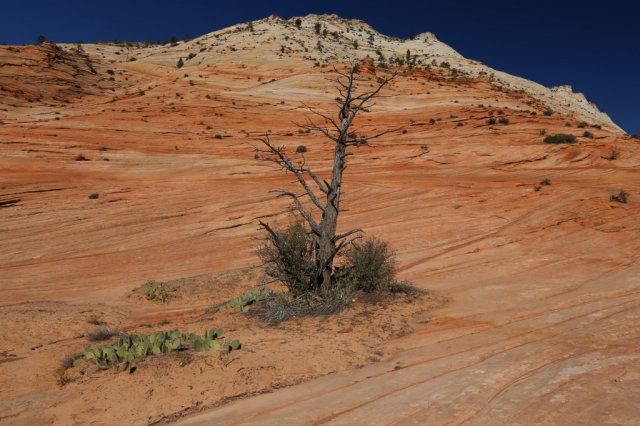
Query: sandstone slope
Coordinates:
[543,315]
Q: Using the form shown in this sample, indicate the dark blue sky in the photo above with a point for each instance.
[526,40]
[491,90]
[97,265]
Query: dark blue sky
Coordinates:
[592,45]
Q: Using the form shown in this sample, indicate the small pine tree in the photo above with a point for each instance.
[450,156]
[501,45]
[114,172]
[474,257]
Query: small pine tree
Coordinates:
[41,39]
[355,44]
[317,27]
[180,63]
[408,55]
[298,23]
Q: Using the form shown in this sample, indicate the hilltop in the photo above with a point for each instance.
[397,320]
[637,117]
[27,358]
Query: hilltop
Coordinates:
[324,39]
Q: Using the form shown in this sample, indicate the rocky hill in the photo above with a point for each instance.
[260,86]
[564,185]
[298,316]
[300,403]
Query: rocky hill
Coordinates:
[318,40]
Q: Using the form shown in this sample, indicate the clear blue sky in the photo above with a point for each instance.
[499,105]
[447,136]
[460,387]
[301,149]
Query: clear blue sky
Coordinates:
[592,45]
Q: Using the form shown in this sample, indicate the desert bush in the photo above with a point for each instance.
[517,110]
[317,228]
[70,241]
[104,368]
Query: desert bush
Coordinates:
[67,362]
[560,139]
[218,136]
[548,112]
[159,292]
[503,120]
[289,256]
[95,319]
[298,23]
[491,121]
[582,125]
[180,63]
[99,333]
[545,181]
[587,134]
[94,196]
[621,197]
[301,149]
[283,306]
[369,266]
[81,157]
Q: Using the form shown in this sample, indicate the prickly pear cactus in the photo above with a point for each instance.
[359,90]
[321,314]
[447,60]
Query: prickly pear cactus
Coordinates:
[132,347]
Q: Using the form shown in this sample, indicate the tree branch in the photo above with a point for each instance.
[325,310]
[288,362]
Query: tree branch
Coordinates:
[346,234]
[300,207]
[283,161]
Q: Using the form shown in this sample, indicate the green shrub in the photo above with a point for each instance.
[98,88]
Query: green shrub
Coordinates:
[491,121]
[503,120]
[301,149]
[180,63]
[587,134]
[293,263]
[560,139]
[548,112]
[369,266]
[158,292]
[545,181]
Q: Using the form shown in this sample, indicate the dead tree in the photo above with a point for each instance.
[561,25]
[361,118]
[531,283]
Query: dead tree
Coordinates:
[325,194]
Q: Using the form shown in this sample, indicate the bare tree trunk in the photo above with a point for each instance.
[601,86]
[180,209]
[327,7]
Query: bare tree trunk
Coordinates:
[328,243]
